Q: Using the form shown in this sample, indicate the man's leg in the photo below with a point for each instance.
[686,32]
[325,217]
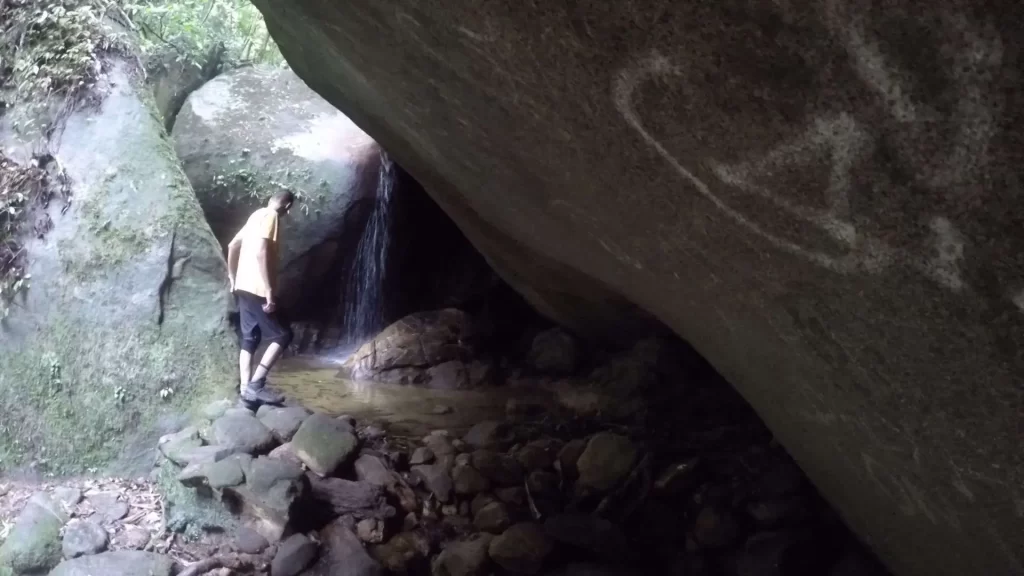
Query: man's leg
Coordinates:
[244,368]
[267,362]
[250,314]
[279,336]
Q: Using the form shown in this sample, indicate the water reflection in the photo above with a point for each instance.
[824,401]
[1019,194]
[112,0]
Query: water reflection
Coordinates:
[408,410]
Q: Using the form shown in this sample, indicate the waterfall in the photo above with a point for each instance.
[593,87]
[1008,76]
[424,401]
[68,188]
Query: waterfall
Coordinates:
[364,293]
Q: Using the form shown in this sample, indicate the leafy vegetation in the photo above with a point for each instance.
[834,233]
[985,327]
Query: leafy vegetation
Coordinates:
[194,29]
[52,50]
[48,48]
[51,46]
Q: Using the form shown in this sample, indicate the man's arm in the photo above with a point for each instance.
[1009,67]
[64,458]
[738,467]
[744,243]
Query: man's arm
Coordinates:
[263,257]
[234,249]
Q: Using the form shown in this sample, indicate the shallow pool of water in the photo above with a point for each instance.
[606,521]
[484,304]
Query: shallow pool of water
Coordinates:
[403,410]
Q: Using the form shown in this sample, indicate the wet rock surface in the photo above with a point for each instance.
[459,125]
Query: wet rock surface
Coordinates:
[411,350]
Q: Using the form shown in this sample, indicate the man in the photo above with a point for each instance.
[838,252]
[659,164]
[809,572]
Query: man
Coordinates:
[252,269]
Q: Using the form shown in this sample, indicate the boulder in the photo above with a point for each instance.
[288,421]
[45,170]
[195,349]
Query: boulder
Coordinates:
[404,351]
[818,196]
[515,495]
[467,481]
[283,423]
[242,433]
[569,456]
[83,538]
[251,132]
[272,490]
[174,446]
[285,452]
[554,352]
[370,530]
[492,517]
[109,506]
[489,434]
[67,496]
[450,375]
[501,469]
[522,549]
[371,469]
[436,479]
[347,498]
[34,543]
[422,455]
[479,501]
[324,444]
[119,563]
[227,472]
[403,554]
[249,541]
[128,292]
[132,538]
[217,408]
[343,554]
[202,455]
[293,556]
[606,461]
[442,448]
[465,558]
[539,454]
[587,532]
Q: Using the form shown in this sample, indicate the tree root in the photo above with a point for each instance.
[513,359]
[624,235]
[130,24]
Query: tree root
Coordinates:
[231,561]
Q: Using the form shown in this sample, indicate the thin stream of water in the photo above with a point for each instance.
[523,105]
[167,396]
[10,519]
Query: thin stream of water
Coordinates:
[364,294]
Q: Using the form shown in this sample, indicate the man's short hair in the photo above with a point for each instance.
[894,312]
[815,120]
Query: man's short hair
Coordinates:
[283,197]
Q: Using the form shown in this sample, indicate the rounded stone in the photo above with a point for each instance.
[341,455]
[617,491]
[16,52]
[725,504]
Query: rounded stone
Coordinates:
[84,538]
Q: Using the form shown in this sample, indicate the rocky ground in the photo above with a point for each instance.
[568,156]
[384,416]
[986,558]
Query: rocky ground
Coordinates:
[650,466]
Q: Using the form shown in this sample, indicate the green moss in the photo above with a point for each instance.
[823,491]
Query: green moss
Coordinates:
[75,396]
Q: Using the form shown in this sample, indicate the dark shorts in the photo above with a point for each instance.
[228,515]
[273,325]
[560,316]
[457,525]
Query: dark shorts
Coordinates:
[257,324]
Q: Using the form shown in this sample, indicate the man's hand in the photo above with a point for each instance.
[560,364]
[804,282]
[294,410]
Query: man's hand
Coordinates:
[270,306]
[231,280]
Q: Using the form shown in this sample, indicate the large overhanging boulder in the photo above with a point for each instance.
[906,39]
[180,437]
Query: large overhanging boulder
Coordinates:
[823,197]
[124,326]
[252,132]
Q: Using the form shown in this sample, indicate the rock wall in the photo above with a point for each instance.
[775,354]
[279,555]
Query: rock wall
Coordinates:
[124,325]
[820,196]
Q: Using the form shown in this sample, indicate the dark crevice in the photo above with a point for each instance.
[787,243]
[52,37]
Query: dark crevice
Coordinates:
[165,284]
[212,67]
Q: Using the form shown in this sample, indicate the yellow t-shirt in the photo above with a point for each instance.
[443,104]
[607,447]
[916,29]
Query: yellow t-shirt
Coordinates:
[262,225]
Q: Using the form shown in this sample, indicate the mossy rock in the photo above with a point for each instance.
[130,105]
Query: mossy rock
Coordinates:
[34,544]
[124,328]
